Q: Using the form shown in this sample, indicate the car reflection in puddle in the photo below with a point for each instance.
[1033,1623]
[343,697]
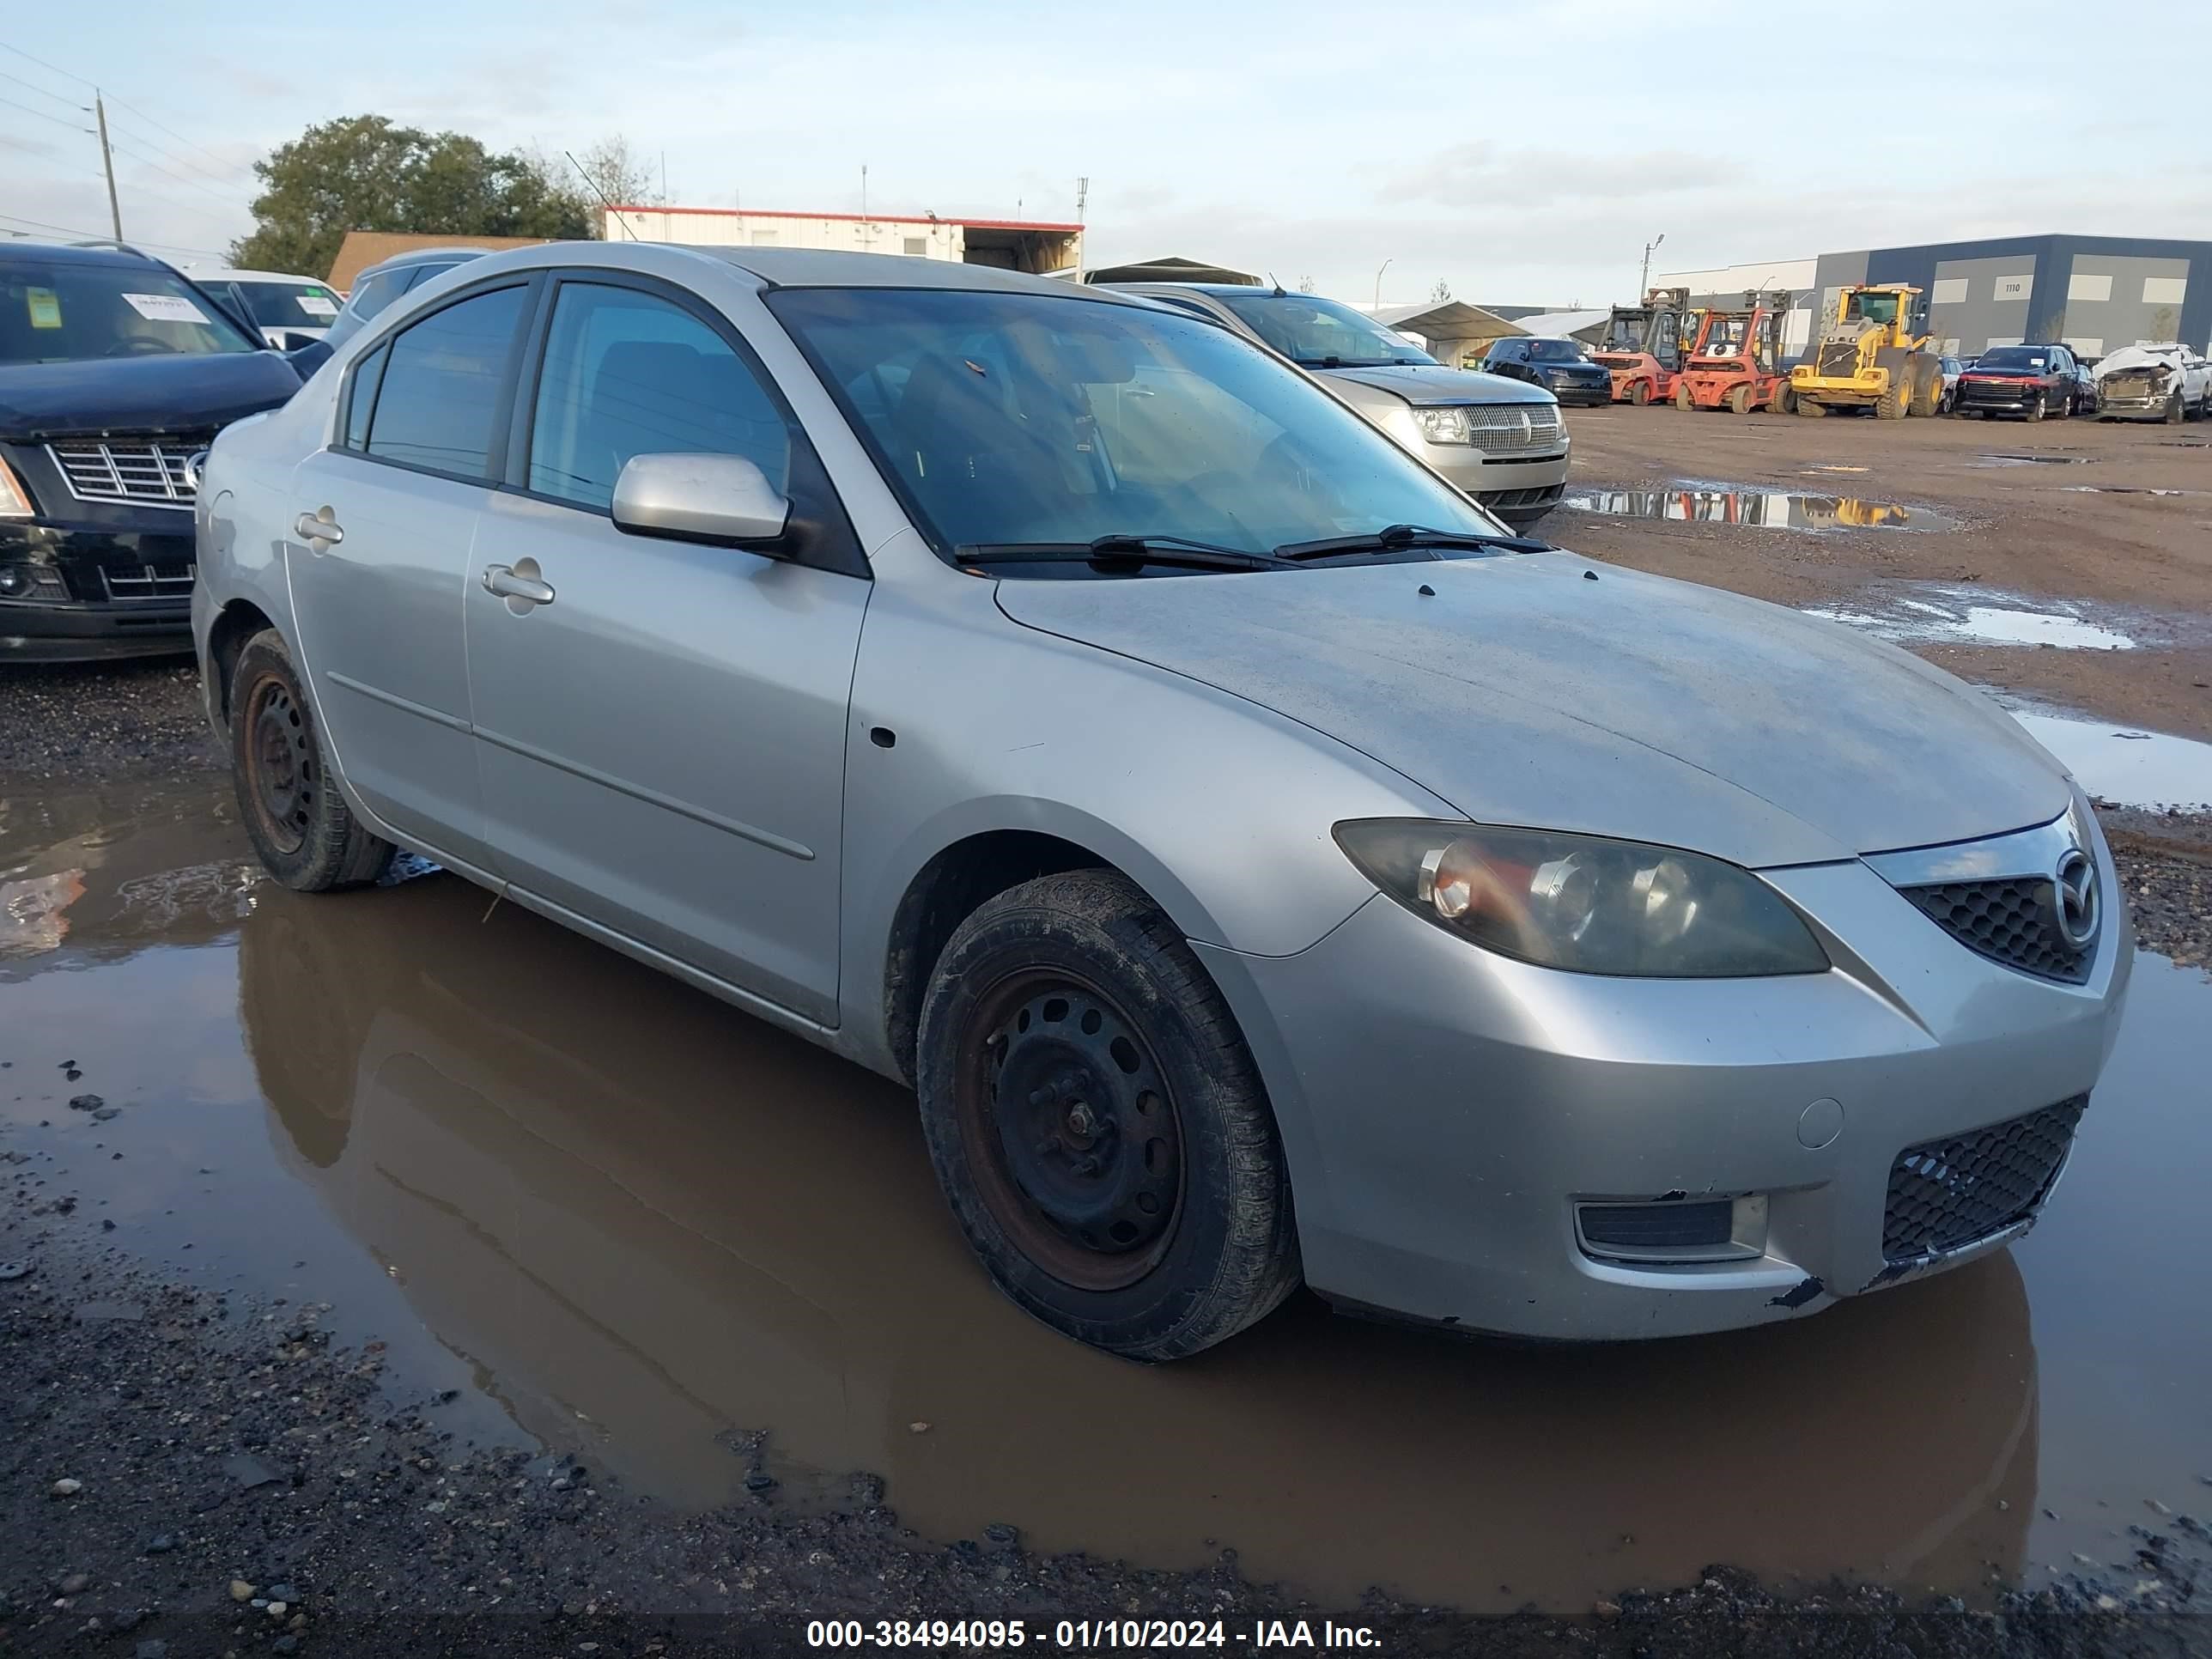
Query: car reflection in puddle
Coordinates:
[636,1221]
[1757,509]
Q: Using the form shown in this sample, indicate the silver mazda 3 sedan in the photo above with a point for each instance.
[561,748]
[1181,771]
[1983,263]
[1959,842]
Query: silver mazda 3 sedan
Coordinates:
[1264,869]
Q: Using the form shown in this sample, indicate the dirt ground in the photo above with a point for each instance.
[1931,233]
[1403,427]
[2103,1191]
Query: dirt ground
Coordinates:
[2081,526]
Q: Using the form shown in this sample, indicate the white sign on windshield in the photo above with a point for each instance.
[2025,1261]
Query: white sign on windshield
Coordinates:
[165,308]
[315,306]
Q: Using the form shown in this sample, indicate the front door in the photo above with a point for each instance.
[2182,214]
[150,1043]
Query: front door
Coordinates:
[382,525]
[662,736]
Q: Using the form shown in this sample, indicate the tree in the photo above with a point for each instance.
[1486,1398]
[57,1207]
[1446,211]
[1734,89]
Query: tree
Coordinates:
[362,173]
[1305,284]
[1441,292]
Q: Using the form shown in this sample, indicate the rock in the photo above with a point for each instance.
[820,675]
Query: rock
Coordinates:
[275,1609]
[284,1592]
[999,1533]
[1608,1612]
[13,1270]
[248,1471]
[241,1591]
[2156,1507]
[297,1622]
[86,1102]
[917,1428]
[160,1544]
[104,1112]
[285,1644]
[66,1488]
[760,1480]
[76,1584]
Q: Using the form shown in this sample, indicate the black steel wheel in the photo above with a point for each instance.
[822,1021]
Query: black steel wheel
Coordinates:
[298,822]
[1098,1123]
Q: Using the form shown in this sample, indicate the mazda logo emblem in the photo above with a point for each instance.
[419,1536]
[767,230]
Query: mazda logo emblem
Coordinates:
[2075,892]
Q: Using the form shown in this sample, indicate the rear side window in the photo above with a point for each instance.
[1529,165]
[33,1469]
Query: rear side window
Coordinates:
[440,385]
[422,274]
[377,292]
[628,374]
[361,398]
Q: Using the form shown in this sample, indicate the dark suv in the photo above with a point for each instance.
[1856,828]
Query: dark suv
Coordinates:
[2030,381]
[1562,366]
[114,369]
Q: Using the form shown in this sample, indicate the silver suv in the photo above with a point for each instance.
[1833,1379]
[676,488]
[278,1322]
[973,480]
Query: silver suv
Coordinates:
[1261,867]
[1501,441]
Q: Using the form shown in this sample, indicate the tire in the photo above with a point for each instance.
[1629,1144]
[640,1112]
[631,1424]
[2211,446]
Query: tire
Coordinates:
[306,835]
[2035,410]
[1078,984]
[1784,401]
[1682,398]
[1927,389]
[1640,393]
[1739,400]
[1808,408]
[1891,406]
[2174,413]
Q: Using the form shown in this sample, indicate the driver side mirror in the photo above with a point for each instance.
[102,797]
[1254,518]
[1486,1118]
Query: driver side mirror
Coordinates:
[722,499]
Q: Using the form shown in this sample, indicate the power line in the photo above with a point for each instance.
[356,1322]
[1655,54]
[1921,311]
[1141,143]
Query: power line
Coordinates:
[228,167]
[58,120]
[44,64]
[184,162]
[143,160]
[40,90]
[95,236]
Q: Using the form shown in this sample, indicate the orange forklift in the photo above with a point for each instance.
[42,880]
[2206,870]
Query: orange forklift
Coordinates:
[1645,345]
[1738,363]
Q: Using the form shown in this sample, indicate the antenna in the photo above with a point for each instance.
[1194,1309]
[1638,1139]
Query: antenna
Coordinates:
[593,185]
[1082,197]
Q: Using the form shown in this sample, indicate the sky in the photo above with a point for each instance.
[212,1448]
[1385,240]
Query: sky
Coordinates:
[1520,153]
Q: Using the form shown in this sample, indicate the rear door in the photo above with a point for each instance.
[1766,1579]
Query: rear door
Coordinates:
[421,436]
[662,737]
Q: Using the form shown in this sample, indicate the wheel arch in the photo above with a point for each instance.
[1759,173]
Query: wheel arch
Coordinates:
[233,625]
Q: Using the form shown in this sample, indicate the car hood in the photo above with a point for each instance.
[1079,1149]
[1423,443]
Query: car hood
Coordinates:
[179,394]
[1424,383]
[1522,692]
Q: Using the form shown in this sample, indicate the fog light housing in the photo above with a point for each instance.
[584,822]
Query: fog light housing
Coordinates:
[1673,1232]
[32,581]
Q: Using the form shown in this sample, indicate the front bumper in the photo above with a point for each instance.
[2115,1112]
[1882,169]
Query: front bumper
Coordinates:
[1445,1110]
[2003,399]
[2151,407]
[1582,394]
[129,591]
[1517,488]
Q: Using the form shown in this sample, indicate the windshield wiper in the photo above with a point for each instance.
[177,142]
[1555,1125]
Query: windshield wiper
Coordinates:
[1125,550]
[1393,538]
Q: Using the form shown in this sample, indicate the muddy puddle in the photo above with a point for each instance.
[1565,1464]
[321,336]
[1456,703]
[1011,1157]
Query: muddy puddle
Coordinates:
[1757,509]
[621,1219]
[2126,765]
[2044,459]
[1971,613]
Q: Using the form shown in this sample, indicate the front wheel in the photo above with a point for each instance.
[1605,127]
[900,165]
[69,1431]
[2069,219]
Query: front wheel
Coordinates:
[1739,400]
[2174,412]
[298,822]
[1682,398]
[1097,1124]
[2035,411]
[1640,393]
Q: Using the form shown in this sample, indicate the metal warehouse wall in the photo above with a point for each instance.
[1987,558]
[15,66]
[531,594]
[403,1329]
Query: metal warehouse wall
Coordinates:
[2102,292]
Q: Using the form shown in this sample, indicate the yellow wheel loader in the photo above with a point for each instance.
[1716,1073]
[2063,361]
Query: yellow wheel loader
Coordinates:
[1871,355]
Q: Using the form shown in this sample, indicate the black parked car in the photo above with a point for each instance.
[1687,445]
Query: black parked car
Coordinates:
[2031,381]
[1562,366]
[114,369]
[376,288]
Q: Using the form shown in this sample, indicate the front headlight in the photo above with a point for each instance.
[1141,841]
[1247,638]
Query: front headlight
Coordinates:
[1444,426]
[1585,903]
[15,500]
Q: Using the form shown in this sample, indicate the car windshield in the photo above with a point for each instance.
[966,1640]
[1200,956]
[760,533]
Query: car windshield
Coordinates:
[1322,333]
[1628,332]
[66,311]
[1005,418]
[1724,338]
[289,305]
[2013,357]
[1556,351]
[1873,308]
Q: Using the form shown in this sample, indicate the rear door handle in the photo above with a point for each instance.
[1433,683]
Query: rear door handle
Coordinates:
[320,525]
[503,580]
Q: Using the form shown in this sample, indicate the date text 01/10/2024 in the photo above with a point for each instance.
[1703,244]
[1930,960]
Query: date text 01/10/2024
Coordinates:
[1084,1635]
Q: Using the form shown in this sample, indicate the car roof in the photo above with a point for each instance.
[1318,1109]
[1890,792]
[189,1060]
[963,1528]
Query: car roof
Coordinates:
[228,274]
[81,254]
[1217,289]
[419,256]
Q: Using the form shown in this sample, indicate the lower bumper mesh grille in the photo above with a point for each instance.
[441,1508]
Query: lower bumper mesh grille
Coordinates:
[1948,1193]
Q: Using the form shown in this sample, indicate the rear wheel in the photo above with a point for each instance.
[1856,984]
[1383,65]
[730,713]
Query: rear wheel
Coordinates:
[1640,393]
[1784,401]
[1682,398]
[1926,389]
[298,822]
[1097,1124]
[1739,400]
[1809,407]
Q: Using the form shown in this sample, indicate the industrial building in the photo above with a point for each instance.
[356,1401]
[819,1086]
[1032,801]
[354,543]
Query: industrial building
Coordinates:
[1037,245]
[2096,294]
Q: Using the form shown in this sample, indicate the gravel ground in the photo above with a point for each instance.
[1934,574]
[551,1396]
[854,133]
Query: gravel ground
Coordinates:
[175,1464]
[95,720]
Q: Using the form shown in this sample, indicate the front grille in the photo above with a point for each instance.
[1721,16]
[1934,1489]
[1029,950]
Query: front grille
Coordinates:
[1839,360]
[1948,1193]
[2013,921]
[2127,383]
[145,472]
[1535,495]
[149,581]
[1514,429]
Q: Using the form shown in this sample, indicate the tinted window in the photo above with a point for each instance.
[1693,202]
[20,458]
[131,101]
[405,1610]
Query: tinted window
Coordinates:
[627,374]
[1018,416]
[417,274]
[59,311]
[362,397]
[1572,351]
[377,292]
[289,305]
[441,383]
[2015,358]
[1322,333]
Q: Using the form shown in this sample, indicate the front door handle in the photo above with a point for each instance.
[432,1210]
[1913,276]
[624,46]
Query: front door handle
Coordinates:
[320,525]
[508,583]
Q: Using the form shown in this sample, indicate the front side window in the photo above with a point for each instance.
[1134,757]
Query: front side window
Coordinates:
[628,374]
[68,310]
[1009,417]
[1555,351]
[1322,333]
[442,380]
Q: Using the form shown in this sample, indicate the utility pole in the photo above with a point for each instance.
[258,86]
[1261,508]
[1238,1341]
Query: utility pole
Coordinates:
[1644,286]
[107,161]
[1379,269]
